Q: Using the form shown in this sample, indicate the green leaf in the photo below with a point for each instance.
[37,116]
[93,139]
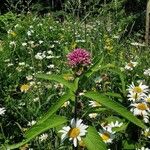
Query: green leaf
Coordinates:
[113,94]
[93,140]
[104,100]
[128,145]
[37,129]
[58,78]
[122,78]
[56,106]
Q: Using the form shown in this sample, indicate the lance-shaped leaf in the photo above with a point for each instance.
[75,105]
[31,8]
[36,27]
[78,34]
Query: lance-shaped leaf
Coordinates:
[56,106]
[93,140]
[113,94]
[58,78]
[37,129]
[104,100]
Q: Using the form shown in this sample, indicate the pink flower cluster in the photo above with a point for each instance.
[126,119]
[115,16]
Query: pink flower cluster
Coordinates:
[79,57]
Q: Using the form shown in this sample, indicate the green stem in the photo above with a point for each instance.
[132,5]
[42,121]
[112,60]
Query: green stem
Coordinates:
[75,112]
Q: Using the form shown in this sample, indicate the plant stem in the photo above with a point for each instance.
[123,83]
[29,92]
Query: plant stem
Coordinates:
[75,112]
[75,106]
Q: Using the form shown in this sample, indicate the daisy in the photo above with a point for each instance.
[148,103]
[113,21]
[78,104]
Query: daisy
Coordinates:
[130,65]
[94,104]
[31,123]
[147,98]
[140,89]
[106,136]
[134,96]
[146,133]
[147,72]
[140,109]
[143,148]
[146,119]
[43,137]
[116,124]
[93,115]
[2,111]
[74,131]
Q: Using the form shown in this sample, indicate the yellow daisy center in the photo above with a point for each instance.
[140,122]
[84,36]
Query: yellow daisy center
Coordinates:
[105,136]
[137,89]
[74,132]
[24,87]
[142,106]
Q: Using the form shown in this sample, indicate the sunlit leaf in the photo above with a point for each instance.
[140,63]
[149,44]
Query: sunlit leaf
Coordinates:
[93,140]
[104,100]
[37,129]
[58,78]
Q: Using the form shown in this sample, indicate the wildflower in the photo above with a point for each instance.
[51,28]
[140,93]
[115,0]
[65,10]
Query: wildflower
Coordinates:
[31,42]
[140,109]
[93,115]
[29,33]
[10,64]
[147,98]
[24,44]
[66,104]
[116,124]
[98,80]
[79,57]
[16,26]
[49,52]
[147,72]
[146,133]
[36,99]
[40,56]
[130,65]
[134,97]
[2,111]
[29,77]
[24,88]
[74,132]
[94,104]
[143,148]
[21,64]
[146,119]
[52,46]
[40,41]
[12,43]
[51,66]
[140,89]
[49,57]
[31,123]
[43,137]
[106,136]
[137,44]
